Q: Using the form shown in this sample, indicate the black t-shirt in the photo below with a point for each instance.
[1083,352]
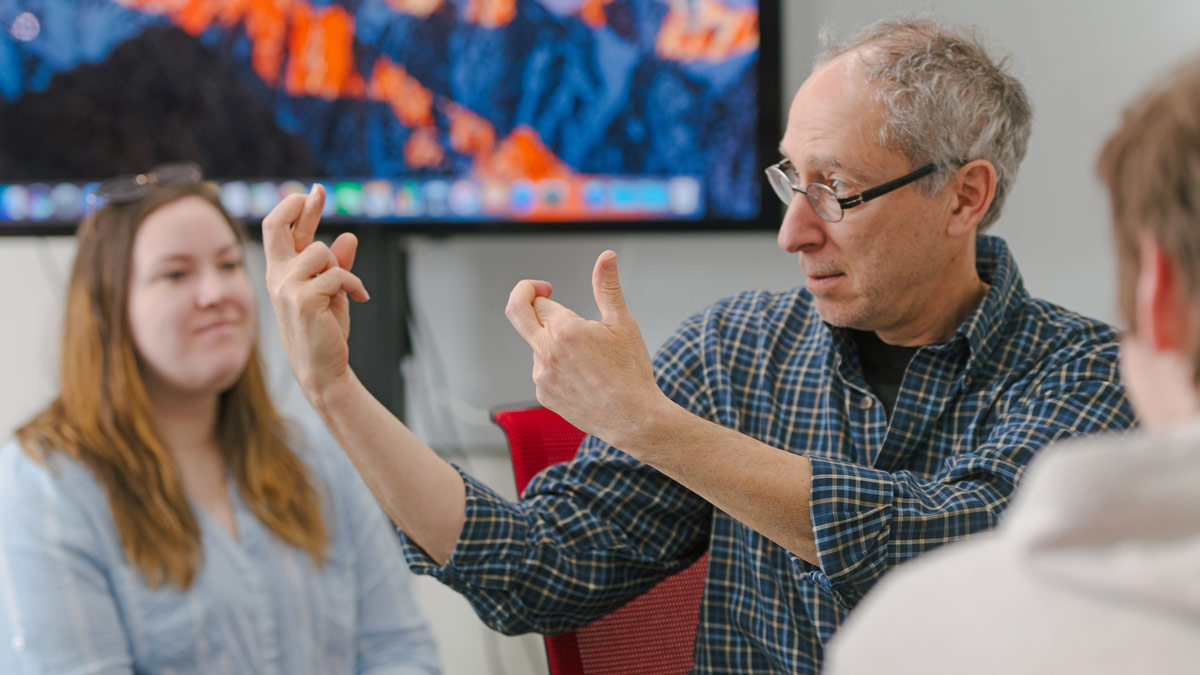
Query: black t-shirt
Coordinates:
[883,365]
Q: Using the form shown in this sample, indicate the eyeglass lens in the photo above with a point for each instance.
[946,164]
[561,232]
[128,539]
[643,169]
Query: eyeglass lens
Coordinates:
[821,197]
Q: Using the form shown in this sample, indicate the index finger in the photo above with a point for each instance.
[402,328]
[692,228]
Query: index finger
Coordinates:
[277,233]
[519,309]
[306,224]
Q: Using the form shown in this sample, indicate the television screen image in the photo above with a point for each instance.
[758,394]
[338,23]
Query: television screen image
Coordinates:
[416,115]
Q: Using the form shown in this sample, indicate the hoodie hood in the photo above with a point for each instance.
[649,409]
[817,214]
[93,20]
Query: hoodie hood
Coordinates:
[1117,517]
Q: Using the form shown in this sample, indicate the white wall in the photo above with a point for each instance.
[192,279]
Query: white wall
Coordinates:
[1080,60]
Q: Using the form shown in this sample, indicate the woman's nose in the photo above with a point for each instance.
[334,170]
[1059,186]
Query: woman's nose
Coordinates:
[213,288]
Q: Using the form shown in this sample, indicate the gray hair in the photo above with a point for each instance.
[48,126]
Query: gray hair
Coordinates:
[945,100]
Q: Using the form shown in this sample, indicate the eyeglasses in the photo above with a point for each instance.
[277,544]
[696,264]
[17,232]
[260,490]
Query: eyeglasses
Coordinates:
[132,187]
[783,179]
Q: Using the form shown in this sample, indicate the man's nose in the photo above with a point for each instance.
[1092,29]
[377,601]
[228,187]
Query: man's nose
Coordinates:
[801,227]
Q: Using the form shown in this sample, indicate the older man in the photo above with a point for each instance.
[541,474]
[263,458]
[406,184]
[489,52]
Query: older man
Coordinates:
[809,440]
[1094,568]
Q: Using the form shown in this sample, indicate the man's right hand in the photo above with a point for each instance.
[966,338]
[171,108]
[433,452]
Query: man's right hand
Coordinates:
[310,285]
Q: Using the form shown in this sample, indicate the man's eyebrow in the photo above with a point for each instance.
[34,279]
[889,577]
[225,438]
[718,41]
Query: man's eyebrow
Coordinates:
[814,161]
[826,163]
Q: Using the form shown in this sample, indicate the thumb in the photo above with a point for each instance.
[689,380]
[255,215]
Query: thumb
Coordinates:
[607,289]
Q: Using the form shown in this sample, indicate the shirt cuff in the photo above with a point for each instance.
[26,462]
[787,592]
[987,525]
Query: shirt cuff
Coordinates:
[851,511]
[490,546]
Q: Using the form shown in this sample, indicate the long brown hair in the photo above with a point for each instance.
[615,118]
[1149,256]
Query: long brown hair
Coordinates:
[103,416]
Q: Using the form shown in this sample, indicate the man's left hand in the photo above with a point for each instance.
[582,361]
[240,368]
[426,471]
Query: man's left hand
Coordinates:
[596,374]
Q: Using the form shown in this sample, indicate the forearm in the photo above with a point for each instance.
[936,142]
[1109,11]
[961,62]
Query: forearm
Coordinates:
[421,492]
[763,487]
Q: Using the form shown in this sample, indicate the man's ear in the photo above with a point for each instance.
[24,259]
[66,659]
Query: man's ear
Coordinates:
[974,188]
[1162,317]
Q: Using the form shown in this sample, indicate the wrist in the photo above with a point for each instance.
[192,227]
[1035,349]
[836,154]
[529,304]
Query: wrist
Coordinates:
[328,393]
[658,426]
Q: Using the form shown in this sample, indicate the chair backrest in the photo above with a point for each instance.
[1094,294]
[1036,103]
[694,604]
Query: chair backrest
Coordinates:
[652,634]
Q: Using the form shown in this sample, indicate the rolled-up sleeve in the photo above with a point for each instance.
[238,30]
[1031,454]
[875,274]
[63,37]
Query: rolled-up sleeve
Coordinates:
[587,536]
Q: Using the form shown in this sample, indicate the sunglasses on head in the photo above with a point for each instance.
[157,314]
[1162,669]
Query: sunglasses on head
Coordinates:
[132,187]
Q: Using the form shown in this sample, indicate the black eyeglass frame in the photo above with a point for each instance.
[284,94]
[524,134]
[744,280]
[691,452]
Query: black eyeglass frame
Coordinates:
[847,202]
[129,188]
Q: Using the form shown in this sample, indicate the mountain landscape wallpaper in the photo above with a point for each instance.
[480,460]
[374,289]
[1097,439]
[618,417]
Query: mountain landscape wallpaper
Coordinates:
[491,89]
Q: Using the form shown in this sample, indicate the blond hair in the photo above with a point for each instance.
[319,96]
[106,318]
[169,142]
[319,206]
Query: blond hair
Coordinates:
[1151,167]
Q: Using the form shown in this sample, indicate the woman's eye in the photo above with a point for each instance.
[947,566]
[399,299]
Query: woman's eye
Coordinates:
[174,275]
[231,265]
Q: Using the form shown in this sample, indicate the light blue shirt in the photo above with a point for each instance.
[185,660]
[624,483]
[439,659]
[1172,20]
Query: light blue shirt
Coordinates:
[69,603]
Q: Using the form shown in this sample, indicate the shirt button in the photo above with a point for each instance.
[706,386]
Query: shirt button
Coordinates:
[967,380]
[18,644]
[866,402]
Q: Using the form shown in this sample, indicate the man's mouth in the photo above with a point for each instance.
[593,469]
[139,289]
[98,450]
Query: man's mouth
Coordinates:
[820,282]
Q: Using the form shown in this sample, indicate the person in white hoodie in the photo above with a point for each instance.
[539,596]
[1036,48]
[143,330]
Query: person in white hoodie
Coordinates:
[1096,566]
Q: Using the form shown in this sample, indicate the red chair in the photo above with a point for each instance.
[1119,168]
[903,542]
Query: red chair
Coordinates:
[652,634]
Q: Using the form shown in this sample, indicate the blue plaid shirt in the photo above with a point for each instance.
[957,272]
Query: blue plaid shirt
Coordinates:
[971,414]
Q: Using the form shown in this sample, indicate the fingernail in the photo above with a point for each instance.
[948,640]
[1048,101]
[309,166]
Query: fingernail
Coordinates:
[609,262]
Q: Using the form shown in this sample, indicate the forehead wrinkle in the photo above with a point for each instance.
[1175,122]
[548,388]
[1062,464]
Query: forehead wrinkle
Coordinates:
[823,162]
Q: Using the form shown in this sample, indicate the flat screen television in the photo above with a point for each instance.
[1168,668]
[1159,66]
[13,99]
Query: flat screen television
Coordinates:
[422,116]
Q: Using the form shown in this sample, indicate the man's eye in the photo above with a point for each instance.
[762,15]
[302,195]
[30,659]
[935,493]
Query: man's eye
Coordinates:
[840,188]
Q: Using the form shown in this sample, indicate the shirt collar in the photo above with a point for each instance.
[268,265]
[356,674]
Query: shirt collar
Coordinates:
[1006,293]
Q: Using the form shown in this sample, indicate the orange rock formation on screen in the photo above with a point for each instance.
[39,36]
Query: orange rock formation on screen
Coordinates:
[423,150]
[491,13]
[315,43]
[309,51]
[411,102]
[523,155]
[592,13]
[321,54]
[421,8]
[470,134]
[706,30]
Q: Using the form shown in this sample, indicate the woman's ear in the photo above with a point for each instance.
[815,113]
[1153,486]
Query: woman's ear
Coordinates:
[974,188]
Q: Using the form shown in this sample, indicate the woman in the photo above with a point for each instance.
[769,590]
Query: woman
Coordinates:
[160,516]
